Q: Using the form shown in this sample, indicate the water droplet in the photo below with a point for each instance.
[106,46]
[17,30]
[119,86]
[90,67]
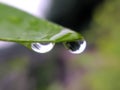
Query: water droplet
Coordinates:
[76,47]
[42,47]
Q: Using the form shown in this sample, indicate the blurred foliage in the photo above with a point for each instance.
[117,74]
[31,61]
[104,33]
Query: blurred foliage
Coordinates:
[103,60]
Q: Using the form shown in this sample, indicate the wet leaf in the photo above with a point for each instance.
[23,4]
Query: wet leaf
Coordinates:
[19,26]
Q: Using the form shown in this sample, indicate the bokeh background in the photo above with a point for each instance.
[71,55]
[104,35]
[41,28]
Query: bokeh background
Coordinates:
[97,68]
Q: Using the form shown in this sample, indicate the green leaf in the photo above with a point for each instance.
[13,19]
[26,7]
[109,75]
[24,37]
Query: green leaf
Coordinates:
[19,26]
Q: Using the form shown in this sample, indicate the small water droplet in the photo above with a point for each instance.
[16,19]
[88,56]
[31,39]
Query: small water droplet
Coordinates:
[76,47]
[42,47]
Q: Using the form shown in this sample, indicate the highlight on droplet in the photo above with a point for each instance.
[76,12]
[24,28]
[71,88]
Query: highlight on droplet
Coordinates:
[42,47]
[76,47]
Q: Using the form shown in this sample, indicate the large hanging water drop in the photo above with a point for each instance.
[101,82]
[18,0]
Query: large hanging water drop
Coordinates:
[76,47]
[42,47]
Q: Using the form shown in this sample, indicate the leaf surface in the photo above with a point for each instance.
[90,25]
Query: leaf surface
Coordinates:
[19,26]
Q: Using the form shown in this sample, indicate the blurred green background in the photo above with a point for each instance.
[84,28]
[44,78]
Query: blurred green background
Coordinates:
[95,69]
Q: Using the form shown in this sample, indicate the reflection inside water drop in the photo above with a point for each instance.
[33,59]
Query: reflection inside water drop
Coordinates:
[42,47]
[76,47]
